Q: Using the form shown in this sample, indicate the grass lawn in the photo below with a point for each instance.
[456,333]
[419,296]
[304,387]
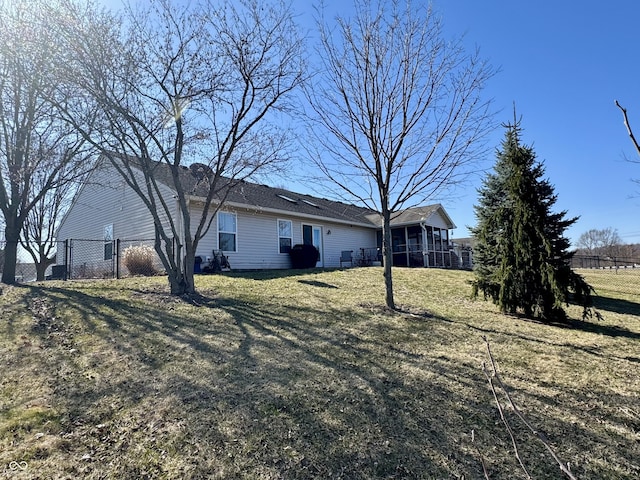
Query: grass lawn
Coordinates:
[285,375]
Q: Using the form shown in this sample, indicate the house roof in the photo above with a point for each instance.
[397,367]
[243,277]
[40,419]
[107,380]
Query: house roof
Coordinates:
[277,200]
[258,197]
[412,216]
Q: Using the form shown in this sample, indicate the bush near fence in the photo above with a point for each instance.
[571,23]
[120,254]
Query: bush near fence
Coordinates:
[95,259]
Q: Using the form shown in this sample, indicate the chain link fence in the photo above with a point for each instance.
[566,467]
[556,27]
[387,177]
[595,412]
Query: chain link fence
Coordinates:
[82,259]
[605,262]
[99,259]
[621,274]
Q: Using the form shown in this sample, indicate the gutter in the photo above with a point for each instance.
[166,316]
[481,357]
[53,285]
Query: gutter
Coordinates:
[245,206]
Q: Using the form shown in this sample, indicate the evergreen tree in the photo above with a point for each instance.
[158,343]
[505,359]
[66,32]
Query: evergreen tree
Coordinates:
[522,259]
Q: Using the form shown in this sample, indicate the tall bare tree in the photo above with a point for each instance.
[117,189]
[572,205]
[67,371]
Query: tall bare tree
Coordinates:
[604,241]
[39,229]
[30,53]
[184,83]
[397,109]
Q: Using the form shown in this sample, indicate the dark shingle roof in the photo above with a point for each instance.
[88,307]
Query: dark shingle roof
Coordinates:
[264,198]
[412,216]
[260,197]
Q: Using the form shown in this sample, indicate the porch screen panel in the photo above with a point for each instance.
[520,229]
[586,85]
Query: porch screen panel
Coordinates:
[430,238]
[438,239]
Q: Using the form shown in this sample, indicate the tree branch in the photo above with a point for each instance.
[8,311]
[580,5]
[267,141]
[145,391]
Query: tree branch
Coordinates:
[494,375]
[626,124]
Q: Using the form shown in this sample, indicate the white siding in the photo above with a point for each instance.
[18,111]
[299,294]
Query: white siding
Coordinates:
[258,245]
[437,220]
[345,237]
[105,200]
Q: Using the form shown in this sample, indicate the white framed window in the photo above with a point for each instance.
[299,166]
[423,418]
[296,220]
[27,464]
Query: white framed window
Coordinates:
[108,241]
[227,231]
[285,236]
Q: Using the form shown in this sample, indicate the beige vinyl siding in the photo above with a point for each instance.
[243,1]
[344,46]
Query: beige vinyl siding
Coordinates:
[258,243]
[437,220]
[106,200]
[345,237]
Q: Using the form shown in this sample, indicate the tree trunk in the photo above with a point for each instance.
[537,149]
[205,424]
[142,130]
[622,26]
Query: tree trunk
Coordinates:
[388,259]
[181,281]
[12,234]
[41,268]
[177,284]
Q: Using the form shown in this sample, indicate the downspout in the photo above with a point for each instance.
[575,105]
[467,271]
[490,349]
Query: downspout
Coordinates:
[425,252]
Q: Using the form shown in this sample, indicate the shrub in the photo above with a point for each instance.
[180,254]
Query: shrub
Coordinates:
[139,260]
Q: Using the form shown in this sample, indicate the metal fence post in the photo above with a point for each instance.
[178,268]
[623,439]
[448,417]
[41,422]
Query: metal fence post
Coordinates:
[118,258]
[69,256]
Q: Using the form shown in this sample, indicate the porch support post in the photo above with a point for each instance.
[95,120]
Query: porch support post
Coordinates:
[425,248]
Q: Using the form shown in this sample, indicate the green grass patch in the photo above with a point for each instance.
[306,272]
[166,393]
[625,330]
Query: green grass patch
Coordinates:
[302,375]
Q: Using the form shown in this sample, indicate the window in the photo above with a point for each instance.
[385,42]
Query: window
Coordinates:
[285,235]
[108,242]
[227,231]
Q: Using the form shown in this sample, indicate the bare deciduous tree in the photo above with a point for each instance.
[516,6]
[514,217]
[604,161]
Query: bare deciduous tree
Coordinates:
[39,229]
[185,83]
[30,53]
[397,109]
[605,241]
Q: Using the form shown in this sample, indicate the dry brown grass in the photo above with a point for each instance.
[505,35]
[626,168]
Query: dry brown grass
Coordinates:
[304,375]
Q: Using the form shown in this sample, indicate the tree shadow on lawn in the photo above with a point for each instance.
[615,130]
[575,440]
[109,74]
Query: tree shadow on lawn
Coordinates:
[266,388]
[276,273]
[587,325]
[244,389]
[315,283]
[599,329]
[616,305]
[583,348]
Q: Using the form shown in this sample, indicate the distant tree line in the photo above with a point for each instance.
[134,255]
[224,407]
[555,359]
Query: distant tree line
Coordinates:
[606,242]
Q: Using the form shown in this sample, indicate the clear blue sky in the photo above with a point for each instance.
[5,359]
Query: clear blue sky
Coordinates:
[563,63]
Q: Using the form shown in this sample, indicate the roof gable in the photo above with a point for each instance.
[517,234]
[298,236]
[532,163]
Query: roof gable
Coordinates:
[424,214]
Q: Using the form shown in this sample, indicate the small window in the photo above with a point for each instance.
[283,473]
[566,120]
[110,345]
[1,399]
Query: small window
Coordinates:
[285,235]
[108,242]
[227,231]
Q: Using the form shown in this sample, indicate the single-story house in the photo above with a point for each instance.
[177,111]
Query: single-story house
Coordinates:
[257,224]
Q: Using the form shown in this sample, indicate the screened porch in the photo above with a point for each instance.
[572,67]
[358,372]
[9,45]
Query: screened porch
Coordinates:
[421,246]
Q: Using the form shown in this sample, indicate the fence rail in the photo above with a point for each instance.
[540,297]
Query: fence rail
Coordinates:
[83,259]
[604,262]
[91,258]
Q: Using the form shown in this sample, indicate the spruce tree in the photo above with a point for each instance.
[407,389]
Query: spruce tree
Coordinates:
[521,256]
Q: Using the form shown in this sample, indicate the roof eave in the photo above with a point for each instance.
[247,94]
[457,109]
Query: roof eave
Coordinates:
[277,211]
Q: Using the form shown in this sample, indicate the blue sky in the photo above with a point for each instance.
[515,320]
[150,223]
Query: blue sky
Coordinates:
[563,63]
